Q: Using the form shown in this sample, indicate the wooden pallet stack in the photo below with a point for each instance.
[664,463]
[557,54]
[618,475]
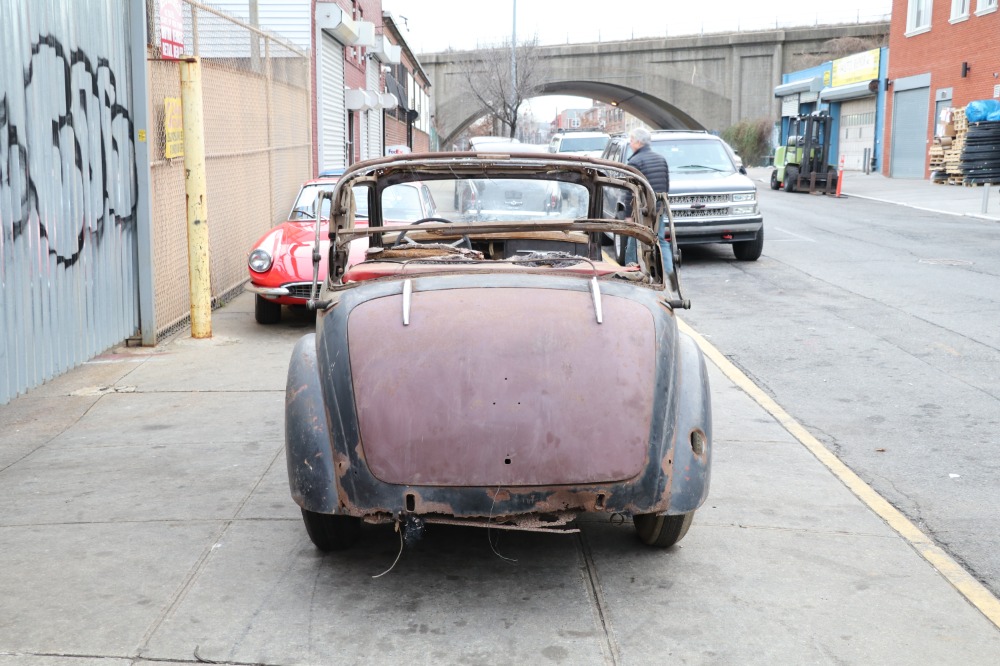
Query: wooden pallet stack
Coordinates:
[953,154]
[936,154]
[945,155]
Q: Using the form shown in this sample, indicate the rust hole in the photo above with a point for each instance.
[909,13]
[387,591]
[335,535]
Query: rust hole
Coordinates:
[506,461]
[599,504]
[411,502]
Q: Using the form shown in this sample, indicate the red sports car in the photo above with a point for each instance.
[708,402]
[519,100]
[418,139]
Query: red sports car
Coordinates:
[280,263]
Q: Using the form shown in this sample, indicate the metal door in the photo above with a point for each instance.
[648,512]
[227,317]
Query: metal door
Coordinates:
[68,187]
[373,79]
[909,133]
[332,115]
[857,132]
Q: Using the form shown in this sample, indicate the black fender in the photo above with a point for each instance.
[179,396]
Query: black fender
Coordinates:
[691,467]
[308,450]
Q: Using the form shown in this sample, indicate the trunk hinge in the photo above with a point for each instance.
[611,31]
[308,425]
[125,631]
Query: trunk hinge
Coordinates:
[407,291]
[596,291]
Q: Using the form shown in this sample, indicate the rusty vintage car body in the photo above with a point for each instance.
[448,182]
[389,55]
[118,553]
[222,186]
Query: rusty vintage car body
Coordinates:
[499,369]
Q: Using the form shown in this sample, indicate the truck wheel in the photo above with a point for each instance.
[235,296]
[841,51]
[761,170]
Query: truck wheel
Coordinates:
[791,175]
[661,531]
[265,311]
[749,250]
[775,185]
[331,532]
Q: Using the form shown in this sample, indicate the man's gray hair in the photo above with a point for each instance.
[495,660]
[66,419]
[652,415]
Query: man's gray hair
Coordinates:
[640,135]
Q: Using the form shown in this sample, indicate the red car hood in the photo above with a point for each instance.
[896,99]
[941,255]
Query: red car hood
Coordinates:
[290,245]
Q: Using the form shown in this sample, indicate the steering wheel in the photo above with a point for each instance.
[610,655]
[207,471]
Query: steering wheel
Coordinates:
[401,238]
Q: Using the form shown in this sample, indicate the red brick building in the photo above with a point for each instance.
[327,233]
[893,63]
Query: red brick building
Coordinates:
[942,54]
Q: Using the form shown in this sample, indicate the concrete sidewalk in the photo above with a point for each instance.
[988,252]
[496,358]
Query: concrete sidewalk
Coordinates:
[145,516]
[919,194]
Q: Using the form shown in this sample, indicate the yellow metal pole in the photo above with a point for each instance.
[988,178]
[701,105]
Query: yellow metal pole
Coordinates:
[197,201]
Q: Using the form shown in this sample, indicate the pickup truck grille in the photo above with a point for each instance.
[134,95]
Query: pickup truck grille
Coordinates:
[689,199]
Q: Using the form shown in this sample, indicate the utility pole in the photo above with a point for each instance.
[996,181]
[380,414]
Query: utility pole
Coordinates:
[513,70]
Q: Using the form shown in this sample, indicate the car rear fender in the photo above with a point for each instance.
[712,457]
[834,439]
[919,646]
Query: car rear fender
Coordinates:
[692,454]
[307,433]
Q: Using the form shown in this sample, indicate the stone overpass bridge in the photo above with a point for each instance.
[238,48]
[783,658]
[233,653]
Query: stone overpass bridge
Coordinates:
[695,82]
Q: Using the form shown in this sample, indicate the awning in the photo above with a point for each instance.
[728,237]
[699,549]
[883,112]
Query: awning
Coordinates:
[814,84]
[850,91]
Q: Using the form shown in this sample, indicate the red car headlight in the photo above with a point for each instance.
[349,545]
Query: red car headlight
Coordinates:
[259,261]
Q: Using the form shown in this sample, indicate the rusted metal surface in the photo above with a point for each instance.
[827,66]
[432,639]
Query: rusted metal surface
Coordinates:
[532,392]
[361,493]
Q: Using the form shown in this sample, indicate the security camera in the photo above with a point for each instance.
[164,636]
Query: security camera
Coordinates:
[386,69]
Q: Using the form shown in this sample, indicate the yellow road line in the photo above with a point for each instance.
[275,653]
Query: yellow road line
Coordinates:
[974,591]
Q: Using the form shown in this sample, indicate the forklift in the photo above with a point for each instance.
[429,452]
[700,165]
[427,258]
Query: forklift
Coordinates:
[801,165]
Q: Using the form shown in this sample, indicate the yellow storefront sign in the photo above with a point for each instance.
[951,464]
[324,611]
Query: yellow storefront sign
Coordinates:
[173,127]
[856,68]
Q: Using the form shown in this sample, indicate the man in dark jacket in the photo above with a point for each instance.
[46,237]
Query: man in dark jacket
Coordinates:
[653,166]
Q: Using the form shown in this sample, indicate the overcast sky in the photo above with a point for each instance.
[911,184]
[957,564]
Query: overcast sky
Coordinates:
[435,25]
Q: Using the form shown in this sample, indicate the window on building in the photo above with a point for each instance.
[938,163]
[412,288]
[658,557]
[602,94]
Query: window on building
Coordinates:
[918,16]
[960,9]
[985,6]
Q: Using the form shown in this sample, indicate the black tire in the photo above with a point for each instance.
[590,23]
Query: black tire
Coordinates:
[775,185]
[266,312]
[791,175]
[621,245]
[749,250]
[331,532]
[661,531]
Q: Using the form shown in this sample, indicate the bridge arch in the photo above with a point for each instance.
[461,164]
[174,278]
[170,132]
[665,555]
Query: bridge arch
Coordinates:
[656,113]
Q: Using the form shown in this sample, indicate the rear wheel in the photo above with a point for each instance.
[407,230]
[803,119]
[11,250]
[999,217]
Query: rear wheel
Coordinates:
[661,531]
[331,532]
[265,311]
[791,175]
[750,250]
[775,185]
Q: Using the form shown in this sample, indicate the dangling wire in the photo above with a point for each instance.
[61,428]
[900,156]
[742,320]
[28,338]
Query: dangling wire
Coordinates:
[398,555]
[488,531]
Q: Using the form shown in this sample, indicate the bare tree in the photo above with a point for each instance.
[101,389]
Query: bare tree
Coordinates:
[838,47]
[487,76]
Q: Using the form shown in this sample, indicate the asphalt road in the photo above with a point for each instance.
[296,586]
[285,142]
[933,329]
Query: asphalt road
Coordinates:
[877,327]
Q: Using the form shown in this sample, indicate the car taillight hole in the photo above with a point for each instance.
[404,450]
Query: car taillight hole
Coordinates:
[411,502]
[698,442]
[599,504]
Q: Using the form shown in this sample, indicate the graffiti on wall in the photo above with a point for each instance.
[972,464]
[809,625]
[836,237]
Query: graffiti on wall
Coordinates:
[67,157]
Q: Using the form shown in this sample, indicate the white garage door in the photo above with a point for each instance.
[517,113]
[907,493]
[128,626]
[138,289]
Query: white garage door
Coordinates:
[857,132]
[375,115]
[332,116]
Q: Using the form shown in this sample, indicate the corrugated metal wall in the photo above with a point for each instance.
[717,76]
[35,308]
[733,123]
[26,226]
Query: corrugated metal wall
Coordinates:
[68,270]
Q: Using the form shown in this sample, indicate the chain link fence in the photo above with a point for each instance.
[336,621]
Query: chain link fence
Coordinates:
[258,148]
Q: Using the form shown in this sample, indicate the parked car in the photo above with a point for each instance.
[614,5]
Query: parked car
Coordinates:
[579,142]
[280,263]
[497,371]
[480,142]
[711,197]
[487,199]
